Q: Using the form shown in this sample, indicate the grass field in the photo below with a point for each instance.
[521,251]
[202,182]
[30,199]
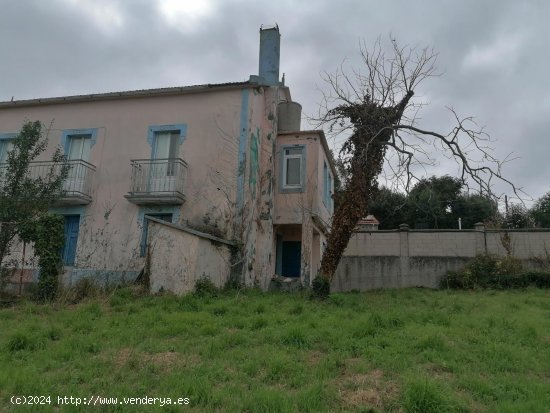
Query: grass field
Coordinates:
[397,351]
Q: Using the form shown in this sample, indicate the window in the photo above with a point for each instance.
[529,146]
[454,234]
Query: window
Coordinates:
[5,146]
[166,147]
[77,143]
[327,187]
[79,147]
[293,165]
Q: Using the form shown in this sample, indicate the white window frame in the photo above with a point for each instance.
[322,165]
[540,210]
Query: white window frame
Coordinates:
[71,139]
[287,188]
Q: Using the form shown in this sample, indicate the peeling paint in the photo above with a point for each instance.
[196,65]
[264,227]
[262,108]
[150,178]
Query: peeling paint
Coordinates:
[253,179]
[241,164]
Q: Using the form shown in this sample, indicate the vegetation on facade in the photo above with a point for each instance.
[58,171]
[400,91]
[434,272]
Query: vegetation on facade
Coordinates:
[376,109]
[26,198]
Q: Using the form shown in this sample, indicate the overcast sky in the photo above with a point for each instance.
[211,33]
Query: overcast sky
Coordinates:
[494,55]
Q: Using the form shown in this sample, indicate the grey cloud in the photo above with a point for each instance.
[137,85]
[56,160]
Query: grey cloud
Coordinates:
[58,48]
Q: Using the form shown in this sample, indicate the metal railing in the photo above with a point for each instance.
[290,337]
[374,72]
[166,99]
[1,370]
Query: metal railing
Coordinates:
[79,178]
[158,176]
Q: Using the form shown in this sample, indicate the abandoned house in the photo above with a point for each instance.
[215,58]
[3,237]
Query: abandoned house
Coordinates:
[210,180]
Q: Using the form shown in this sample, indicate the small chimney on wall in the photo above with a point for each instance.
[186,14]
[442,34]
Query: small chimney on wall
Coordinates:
[270,52]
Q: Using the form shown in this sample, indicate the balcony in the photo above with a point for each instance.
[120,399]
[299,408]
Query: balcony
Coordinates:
[77,186]
[157,182]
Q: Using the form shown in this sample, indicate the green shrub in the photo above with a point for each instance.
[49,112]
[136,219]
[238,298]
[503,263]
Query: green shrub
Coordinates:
[320,287]
[204,287]
[488,271]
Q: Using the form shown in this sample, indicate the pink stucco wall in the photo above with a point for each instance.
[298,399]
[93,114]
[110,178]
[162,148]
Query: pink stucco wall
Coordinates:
[110,228]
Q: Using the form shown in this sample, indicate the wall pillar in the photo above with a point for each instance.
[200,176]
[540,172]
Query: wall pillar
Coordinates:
[481,244]
[403,253]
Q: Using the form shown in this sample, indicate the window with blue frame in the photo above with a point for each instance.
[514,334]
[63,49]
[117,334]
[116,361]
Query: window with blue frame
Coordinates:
[77,143]
[327,187]
[6,146]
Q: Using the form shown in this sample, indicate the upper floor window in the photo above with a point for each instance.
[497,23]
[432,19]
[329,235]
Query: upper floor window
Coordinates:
[293,168]
[165,141]
[166,147]
[327,187]
[79,147]
[78,143]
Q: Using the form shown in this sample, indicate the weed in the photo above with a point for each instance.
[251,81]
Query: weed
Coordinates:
[204,287]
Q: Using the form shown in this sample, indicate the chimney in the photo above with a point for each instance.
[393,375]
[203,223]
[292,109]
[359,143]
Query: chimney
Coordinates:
[270,51]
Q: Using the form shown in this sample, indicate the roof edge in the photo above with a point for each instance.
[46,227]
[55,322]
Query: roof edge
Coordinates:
[141,93]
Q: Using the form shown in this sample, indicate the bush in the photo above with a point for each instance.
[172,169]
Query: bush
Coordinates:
[320,288]
[204,287]
[488,271]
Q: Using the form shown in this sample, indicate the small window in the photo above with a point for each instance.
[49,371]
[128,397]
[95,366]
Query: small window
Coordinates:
[330,201]
[292,167]
[327,187]
[6,145]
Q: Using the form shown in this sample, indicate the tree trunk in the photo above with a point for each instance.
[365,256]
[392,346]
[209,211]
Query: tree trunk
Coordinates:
[373,130]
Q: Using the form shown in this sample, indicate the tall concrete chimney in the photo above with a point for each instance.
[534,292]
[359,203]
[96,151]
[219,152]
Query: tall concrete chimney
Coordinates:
[270,52]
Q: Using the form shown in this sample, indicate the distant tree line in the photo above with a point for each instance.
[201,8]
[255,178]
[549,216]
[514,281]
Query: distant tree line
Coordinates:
[439,202]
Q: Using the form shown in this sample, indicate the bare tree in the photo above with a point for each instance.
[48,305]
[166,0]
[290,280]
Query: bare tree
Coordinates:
[377,110]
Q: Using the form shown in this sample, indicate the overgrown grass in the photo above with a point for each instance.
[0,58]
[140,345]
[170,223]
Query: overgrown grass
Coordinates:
[396,351]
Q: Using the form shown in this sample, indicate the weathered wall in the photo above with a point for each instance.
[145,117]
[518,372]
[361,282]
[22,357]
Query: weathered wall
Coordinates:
[111,226]
[180,256]
[418,258]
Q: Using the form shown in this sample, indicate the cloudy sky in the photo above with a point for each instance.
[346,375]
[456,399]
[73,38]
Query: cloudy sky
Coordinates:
[494,55]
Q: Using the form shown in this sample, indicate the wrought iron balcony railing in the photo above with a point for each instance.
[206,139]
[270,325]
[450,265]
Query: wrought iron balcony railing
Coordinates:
[157,181]
[77,186]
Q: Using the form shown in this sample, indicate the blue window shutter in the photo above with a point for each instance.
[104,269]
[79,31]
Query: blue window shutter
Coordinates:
[72,224]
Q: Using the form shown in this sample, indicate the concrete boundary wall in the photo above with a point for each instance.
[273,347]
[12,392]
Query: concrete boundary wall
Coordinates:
[179,256]
[419,258]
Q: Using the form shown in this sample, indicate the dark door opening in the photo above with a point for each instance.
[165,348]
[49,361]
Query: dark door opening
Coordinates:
[291,257]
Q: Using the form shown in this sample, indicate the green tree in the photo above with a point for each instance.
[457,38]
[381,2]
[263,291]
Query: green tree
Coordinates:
[541,211]
[432,201]
[472,209]
[517,217]
[390,208]
[28,189]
